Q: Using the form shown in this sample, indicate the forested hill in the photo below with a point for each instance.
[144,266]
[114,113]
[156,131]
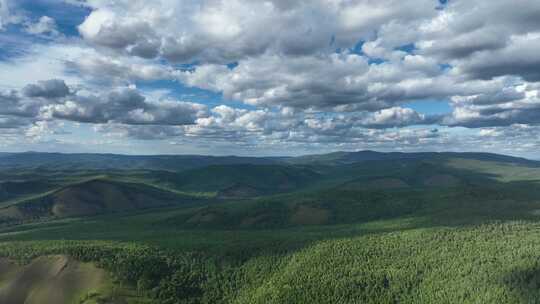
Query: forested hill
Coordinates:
[338,158]
[60,161]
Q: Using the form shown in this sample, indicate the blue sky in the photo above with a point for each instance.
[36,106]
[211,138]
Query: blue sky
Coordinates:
[248,78]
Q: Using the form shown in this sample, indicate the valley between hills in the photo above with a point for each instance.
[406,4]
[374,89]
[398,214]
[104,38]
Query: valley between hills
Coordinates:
[347,227]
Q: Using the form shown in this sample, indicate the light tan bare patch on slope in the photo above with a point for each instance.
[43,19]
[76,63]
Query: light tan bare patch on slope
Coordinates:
[48,280]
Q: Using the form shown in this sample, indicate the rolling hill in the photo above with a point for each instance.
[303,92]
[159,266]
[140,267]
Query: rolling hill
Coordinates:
[342,158]
[338,228]
[78,162]
[92,197]
[232,180]
[278,194]
[16,189]
[377,190]
[60,161]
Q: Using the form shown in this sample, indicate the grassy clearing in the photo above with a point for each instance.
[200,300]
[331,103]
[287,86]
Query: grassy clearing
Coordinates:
[53,279]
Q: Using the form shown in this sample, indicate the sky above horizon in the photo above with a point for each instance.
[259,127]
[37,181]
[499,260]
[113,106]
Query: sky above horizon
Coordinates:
[273,77]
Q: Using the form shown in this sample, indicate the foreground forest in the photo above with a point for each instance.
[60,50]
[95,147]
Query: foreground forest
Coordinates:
[362,227]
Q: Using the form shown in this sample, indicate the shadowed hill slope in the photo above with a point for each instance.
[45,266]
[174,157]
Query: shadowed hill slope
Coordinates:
[283,195]
[93,197]
[382,190]
[16,189]
[242,180]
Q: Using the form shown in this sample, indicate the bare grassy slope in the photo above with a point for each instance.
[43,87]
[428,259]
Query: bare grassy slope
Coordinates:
[49,280]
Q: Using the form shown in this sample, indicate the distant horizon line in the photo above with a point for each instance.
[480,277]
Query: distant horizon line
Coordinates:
[268,156]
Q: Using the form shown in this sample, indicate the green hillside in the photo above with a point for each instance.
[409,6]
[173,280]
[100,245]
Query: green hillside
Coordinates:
[55,162]
[91,197]
[340,158]
[71,162]
[420,229]
[262,179]
[12,191]
[383,190]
